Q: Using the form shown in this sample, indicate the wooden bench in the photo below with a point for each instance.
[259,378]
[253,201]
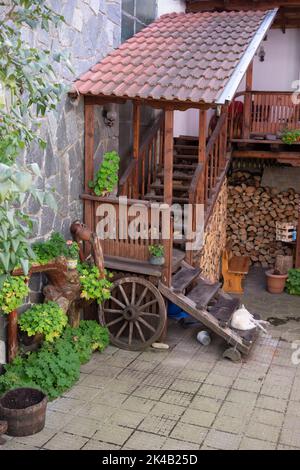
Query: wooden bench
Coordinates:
[234,269]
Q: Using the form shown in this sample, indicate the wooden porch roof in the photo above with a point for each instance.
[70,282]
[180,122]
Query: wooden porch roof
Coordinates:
[187,58]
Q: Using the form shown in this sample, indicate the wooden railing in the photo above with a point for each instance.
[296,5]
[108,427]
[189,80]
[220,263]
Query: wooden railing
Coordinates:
[270,112]
[128,237]
[148,164]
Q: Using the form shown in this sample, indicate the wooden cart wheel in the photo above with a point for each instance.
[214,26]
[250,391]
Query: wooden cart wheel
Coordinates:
[135,314]
[233,354]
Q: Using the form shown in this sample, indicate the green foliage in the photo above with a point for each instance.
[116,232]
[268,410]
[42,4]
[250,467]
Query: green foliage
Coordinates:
[293,282]
[28,89]
[72,250]
[50,249]
[106,178]
[47,319]
[290,137]
[87,338]
[12,293]
[92,286]
[55,367]
[156,250]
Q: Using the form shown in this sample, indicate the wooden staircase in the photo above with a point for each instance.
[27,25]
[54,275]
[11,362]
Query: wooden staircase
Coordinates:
[207,303]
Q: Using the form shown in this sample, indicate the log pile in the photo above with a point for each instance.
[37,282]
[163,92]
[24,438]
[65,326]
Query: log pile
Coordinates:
[252,215]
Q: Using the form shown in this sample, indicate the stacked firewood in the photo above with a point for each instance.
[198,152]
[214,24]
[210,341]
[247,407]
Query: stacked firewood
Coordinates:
[252,215]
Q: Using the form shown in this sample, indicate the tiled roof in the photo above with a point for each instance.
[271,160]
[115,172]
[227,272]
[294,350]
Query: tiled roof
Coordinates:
[181,57]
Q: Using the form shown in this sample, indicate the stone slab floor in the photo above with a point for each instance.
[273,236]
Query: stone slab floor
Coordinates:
[188,397]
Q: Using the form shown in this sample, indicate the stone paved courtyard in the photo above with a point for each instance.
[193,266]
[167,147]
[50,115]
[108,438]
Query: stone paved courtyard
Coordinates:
[188,397]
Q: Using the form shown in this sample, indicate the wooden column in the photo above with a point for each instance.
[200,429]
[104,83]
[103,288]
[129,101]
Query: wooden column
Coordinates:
[202,153]
[248,102]
[12,336]
[89,139]
[168,191]
[136,146]
[297,262]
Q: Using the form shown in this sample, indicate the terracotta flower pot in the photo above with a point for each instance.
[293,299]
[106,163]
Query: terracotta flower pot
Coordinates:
[275,282]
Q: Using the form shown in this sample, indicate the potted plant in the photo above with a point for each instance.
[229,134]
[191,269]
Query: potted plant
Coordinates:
[276,281]
[106,178]
[290,136]
[293,282]
[47,320]
[72,254]
[157,255]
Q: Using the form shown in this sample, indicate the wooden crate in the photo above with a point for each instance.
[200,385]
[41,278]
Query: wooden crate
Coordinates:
[285,232]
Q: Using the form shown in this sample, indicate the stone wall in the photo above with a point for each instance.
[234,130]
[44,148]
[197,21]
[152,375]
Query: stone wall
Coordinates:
[92,29]
[215,238]
[253,210]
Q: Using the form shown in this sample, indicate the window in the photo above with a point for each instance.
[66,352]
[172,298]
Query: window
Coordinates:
[136,14]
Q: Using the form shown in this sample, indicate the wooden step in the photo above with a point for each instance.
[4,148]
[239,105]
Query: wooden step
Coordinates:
[190,157]
[177,258]
[184,278]
[224,309]
[155,197]
[177,176]
[203,293]
[176,187]
[182,166]
[193,148]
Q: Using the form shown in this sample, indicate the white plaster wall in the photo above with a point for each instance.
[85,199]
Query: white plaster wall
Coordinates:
[169,6]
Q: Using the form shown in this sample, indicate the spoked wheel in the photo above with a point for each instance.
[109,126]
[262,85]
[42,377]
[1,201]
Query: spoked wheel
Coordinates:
[135,314]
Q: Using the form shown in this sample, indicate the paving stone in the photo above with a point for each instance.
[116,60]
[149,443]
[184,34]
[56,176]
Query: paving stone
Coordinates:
[262,431]
[255,444]
[272,418]
[56,420]
[80,426]
[14,445]
[133,376]
[239,396]
[276,391]
[220,380]
[230,424]
[95,381]
[206,404]
[167,410]
[293,409]
[193,375]
[157,425]
[189,432]
[98,445]
[198,417]
[247,385]
[67,405]
[291,422]
[237,410]
[284,447]
[162,381]
[110,398]
[113,434]
[108,371]
[222,440]
[64,441]
[142,405]
[185,386]
[177,398]
[213,391]
[175,444]
[141,440]
[82,393]
[37,440]
[120,386]
[290,437]
[142,366]
[127,418]
[271,403]
[97,411]
[146,391]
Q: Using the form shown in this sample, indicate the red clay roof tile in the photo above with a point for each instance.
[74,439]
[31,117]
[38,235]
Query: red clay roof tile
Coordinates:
[185,57]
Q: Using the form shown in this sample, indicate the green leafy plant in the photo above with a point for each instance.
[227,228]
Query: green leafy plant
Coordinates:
[12,293]
[47,319]
[93,287]
[53,369]
[106,178]
[157,251]
[56,366]
[293,282]
[87,338]
[290,137]
[49,250]
[72,250]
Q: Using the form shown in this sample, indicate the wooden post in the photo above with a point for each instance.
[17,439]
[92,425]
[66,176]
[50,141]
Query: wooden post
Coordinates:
[136,146]
[248,102]
[202,153]
[168,191]
[12,335]
[297,262]
[89,138]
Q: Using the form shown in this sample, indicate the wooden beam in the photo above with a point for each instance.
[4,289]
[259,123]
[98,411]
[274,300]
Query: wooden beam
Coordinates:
[248,102]
[12,336]
[284,156]
[89,143]
[201,156]
[136,146]
[102,100]
[168,190]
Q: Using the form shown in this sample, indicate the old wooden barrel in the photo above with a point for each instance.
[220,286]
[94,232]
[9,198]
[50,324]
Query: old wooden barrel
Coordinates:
[24,409]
